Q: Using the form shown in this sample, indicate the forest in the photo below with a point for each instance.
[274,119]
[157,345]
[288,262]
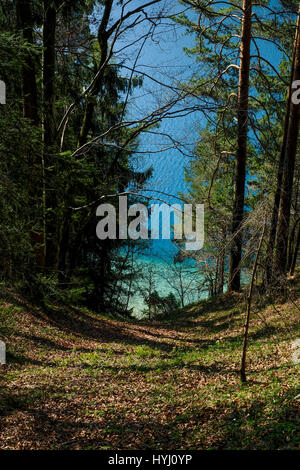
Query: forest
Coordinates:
[149,225]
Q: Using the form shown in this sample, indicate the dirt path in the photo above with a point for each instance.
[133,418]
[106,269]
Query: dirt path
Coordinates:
[77,381]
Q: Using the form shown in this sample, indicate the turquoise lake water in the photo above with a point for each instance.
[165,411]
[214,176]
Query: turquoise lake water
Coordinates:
[165,278]
[166,183]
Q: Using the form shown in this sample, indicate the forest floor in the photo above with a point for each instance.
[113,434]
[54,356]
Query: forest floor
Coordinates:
[75,380]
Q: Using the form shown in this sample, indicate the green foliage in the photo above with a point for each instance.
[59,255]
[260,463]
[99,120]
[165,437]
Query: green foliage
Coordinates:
[211,174]
[44,183]
[161,306]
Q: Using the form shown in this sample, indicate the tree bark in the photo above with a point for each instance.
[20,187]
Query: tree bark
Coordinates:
[49,63]
[249,302]
[282,234]
[25,23]
[30,109]
[291,249]
[103,44]
[234,282]
[296,252]
[274,220]
[222,264]
[49,129]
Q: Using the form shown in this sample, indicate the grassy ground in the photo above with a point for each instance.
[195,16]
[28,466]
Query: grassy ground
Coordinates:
[79,381]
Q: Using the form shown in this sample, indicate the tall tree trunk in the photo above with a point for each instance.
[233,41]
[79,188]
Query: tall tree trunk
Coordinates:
[103,44]
[291,249]
[234,282]
[222,264]
[282,234]
[296,252]
[274,220]
[49,128]
[25,23]
[249,303]
[30,109]
[63,249]
[49,63]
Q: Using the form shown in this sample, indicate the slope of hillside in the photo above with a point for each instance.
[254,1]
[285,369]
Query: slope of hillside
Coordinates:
[79,381]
